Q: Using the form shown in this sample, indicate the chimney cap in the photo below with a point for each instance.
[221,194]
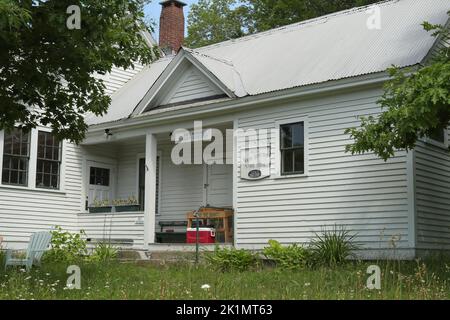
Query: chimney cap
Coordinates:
[181,3]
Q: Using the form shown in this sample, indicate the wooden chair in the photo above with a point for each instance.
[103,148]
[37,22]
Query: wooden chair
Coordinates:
[39,243]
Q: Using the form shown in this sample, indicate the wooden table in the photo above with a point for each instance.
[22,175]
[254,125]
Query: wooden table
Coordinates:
[223,215]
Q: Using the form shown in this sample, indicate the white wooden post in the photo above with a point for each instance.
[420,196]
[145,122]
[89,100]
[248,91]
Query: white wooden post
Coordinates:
[151,147]
[32,166]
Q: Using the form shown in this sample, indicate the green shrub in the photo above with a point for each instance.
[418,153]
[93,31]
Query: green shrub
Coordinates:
[66,246]
[292,257]
[231,259]
[103,252]
[333,247]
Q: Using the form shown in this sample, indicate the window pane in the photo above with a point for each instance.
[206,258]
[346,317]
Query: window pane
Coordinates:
[55,181]
[23,164]
[438,135]
[6,162]
[7,148]
[15,163]
[287,161]
[56,153]
[14,177]
[286,136]
[299,161]
[297,135]
[99,176]
[39,180]
[46,182]
[5,176]
[22,178]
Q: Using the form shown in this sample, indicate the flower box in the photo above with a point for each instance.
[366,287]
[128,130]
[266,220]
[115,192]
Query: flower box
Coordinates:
[107,209]
[128,208]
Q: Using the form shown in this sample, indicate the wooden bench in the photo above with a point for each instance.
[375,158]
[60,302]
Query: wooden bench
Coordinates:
[171,236]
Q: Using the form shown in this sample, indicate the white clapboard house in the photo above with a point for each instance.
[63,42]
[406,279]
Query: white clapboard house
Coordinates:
[305,82]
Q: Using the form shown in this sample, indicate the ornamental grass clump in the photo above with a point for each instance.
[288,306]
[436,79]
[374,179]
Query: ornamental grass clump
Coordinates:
[333,247]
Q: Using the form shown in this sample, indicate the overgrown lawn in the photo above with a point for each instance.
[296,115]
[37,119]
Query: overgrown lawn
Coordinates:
[400,280]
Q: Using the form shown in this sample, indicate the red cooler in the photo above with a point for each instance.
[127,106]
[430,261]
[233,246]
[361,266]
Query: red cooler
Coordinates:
[205,235]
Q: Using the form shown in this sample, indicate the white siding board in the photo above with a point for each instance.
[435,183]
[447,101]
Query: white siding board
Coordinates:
[23,212]
[117,226]
[432,196]
[192,86]
[363,193]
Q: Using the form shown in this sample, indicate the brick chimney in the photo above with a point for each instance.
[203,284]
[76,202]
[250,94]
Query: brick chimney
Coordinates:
[171,26]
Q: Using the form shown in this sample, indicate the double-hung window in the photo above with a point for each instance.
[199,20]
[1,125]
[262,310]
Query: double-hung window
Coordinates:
[438,135]
[48,168]
[292,148]
[30,159]
[16,157]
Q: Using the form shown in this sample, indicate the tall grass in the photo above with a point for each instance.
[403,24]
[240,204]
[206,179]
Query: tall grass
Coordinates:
[400,280]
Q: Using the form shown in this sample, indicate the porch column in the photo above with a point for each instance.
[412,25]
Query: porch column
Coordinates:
[151,145]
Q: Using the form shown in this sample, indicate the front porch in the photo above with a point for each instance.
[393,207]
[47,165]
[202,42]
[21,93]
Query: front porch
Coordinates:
[139,174]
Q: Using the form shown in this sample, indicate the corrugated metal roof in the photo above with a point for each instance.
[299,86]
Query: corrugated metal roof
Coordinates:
[332,47]
[128,97]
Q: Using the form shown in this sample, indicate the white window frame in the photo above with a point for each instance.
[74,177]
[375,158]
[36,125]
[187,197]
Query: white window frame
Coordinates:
[276,144]
[140,156]
[439,144]
[33,163]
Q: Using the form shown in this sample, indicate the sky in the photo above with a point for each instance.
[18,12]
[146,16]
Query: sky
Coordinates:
[153,11]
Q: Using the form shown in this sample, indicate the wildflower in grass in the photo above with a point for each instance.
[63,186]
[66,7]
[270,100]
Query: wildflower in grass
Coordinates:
[307,284]
[206,287]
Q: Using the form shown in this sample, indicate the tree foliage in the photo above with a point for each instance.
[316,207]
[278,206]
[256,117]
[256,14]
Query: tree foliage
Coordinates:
[47,71]
[212,21]
[269,14]
[416,103]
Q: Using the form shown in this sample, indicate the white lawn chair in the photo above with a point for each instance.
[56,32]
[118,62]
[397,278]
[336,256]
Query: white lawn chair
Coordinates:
[39,243]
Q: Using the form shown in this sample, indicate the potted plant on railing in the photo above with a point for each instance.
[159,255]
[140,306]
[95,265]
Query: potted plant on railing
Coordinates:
[100,207]
[126,205]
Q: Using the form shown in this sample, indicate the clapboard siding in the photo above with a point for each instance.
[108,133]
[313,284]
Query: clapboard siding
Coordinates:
[192,86]
[117,226]
[23,212]
[432,196]
[363,193]
[118,77]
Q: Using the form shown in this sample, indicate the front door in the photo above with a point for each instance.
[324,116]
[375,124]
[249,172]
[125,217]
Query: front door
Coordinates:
[218,185]
[100,182]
